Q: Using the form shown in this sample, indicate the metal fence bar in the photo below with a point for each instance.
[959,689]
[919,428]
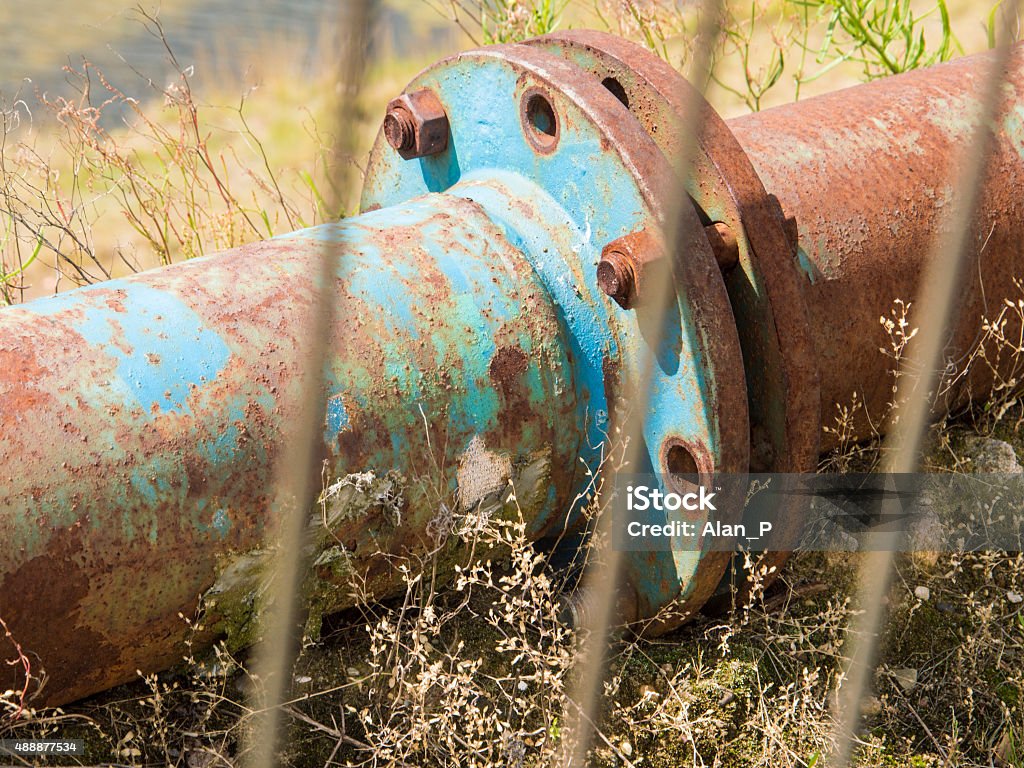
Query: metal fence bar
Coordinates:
[297,471]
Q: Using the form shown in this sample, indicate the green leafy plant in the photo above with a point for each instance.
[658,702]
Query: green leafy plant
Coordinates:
[885,37]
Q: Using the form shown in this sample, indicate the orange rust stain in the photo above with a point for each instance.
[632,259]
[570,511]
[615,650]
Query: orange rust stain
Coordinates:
[19,373]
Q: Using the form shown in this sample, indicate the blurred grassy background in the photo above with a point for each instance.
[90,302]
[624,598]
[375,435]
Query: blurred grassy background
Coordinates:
[262,80]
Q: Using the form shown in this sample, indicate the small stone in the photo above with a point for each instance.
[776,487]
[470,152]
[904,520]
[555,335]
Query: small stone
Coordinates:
[626,748]
[922,593]
[303,679]
[1014,597]
[990,455]
[353,672]
[906,678]
[872,706]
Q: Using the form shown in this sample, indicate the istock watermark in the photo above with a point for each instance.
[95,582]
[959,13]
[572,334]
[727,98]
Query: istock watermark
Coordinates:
[643,497]
[788,512]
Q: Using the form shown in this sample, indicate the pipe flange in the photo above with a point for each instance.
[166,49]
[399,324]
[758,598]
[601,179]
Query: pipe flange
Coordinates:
[779,356]
[549,121]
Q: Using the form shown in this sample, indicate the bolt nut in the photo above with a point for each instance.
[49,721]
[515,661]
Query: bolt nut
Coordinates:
[723,244]
[416,124]
[620,271]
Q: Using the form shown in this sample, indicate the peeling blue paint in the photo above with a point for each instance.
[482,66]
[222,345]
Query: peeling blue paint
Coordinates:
[337,419]
[161,346]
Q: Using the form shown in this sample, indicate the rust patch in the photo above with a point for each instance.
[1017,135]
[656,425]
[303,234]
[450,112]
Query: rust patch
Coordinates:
[505,368]
[20,374]
[116,302]
[54,579]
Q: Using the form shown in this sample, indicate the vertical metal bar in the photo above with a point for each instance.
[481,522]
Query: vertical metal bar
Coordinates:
[935,309]
[601,579]
[297,471]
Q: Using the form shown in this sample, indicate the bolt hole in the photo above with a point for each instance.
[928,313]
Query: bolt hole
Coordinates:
[615,88]
[681,468]
[540,120]
[680,461]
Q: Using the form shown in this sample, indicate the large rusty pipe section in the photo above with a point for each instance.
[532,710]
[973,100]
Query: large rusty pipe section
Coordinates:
[142,418]
[491,333]
[868,174]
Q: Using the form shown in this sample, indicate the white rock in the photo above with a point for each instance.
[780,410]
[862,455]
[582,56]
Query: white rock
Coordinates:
[991,455]
[905,677]
[922,593]
[1014,597]
[626,748]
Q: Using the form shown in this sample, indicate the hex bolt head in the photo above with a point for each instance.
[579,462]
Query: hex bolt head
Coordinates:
[416,124]
[620,271]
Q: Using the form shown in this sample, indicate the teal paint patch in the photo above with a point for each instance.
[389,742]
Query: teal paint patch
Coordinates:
[161,345]
[337,419]
[221,522]
[1013,125]
[805,265]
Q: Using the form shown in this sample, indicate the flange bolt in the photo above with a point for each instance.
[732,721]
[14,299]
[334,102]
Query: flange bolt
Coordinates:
[400,129]
[416,124]
[616,278]
[620,271]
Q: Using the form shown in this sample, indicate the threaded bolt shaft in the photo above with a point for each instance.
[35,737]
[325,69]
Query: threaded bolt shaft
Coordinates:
[399,129]
[616,277]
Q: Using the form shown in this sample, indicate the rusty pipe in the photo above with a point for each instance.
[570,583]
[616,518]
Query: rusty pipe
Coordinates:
[474,359]
[480,367]
[868,174]
[142,418]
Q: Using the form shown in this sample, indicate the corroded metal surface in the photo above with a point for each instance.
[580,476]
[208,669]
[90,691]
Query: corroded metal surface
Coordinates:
[610,177]
[480,363]
[142,417]
[610,180]
[781,372]
[868,174]
[476,357]
[781,369]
